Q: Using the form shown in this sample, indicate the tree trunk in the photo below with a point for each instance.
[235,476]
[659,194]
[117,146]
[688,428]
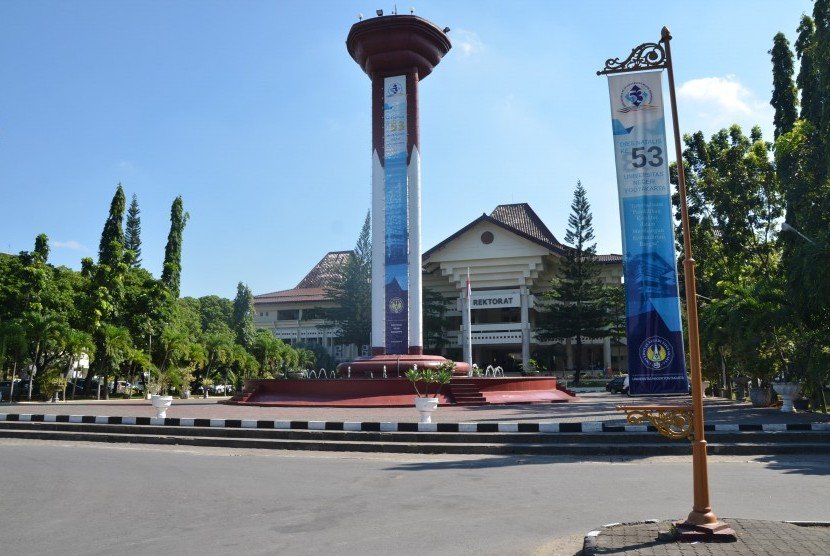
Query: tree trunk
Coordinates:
[578,360]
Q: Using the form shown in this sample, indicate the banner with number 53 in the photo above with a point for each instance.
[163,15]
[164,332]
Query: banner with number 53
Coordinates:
[656,361]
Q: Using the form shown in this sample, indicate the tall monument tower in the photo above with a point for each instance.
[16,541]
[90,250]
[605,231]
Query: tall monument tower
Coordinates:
[396,52]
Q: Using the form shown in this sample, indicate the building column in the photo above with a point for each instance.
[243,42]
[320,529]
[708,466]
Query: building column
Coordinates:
[606,353]
[523,297]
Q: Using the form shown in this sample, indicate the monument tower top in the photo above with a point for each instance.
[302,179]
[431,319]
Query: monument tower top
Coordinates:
[388,44]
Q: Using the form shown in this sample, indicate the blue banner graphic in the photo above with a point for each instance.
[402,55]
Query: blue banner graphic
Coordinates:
[656,361]
[397,228]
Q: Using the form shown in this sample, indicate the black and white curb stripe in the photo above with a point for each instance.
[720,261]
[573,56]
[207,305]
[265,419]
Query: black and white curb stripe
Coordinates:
[392,426]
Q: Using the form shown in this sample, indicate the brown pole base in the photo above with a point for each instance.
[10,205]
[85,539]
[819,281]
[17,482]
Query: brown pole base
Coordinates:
[709,532]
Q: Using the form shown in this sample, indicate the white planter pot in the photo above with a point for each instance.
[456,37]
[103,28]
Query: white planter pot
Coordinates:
[425,407]
[160,404]
[788,391]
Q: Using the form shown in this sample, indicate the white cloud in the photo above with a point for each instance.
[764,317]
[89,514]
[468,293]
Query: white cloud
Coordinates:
[467,42]
[718,102]
[71,245]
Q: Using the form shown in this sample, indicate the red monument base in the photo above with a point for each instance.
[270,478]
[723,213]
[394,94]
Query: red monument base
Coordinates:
[397,392]
[394,365]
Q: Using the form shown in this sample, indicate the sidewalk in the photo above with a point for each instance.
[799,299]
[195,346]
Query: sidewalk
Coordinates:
[755,537]
[590,407]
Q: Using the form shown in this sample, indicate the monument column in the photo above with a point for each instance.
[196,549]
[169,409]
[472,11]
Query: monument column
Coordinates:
[396,52]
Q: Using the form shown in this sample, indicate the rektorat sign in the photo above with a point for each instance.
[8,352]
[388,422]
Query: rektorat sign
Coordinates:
[496,299]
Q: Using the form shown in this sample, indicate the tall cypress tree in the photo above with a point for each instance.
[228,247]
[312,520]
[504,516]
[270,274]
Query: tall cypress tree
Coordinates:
[132,232]
[108,252]
[243,316]
[821,58]
[783,89]
[171,274]
[351,291]
[578,301]
[806,79]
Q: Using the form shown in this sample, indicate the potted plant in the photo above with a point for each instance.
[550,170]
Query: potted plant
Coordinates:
[207,382]
[425,402]
[52,382]
[161,401]
[533,368]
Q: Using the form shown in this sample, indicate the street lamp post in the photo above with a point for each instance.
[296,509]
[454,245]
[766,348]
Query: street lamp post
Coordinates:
[673,421]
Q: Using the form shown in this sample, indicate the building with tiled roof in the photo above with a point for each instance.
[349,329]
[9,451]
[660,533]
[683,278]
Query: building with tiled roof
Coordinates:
[511,256]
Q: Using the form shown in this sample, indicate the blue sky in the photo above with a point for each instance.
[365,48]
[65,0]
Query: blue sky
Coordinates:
[254,112]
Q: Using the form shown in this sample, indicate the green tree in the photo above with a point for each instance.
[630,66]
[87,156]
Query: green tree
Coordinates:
[110,249]
[216,313]
[436,321]
[242,321]
[807,79]
[351,291]
[577,299]
[132,231]
[784,99]
[171,274]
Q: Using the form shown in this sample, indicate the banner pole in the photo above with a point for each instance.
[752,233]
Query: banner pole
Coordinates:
[701,513]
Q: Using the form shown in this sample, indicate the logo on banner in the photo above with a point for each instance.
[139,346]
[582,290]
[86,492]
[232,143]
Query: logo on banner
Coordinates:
[656,353]
[396,305]
[636,96]
[394,89]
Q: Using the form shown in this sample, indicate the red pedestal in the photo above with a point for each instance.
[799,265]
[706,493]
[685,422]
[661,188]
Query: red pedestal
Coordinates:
[395,365]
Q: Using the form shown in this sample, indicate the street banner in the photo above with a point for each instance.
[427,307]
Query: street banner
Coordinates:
[397,229]
[656,361]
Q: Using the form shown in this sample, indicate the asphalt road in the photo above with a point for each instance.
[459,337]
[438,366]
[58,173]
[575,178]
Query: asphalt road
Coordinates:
[76,498]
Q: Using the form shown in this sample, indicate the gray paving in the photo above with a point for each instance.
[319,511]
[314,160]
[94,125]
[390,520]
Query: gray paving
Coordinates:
[75,498]
[755,538]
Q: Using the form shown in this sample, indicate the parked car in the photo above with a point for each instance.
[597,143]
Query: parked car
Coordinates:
[6,389]
[615,385]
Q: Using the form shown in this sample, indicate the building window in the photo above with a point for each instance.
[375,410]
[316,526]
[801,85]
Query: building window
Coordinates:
[487,238]
[288,314]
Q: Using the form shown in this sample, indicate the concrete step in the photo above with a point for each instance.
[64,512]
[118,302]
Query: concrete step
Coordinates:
[639,444]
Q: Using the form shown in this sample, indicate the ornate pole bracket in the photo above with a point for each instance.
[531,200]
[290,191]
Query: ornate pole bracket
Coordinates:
[647,56]
[672,421]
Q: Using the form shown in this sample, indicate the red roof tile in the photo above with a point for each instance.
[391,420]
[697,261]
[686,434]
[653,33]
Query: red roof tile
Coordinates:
[523,218]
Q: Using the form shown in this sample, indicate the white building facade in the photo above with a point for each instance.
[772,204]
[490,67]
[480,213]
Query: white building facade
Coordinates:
[510,255]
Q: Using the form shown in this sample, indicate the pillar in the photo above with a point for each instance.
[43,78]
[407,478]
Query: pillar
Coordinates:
[396,52]
[523,298]
[606,353]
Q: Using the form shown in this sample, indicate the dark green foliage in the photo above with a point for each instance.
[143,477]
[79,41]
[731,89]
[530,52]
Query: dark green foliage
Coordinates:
[242,321]
[351,292]
[216,313]
[171,274]
[132,232]
[42,247]
[784,99]
[436,322]
[108,252]
[577,301]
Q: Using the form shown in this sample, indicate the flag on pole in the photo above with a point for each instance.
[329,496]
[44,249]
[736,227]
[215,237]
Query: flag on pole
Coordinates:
[468,332]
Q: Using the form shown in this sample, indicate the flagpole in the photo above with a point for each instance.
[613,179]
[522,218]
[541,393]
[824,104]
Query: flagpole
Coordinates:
[468,332]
